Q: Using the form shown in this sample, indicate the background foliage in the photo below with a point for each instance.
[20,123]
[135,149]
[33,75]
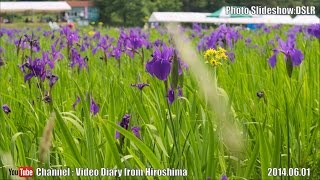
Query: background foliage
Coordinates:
[138,10]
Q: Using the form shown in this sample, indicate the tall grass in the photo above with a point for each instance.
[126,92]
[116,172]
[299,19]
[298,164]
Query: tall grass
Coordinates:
[279,130]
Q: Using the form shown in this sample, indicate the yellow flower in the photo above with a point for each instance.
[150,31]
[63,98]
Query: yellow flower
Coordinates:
[214,62]
[215,56]
[220,49]
[221,56]
[91,33]
[209,52]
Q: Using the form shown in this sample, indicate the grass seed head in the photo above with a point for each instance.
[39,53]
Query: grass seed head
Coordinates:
[46,139]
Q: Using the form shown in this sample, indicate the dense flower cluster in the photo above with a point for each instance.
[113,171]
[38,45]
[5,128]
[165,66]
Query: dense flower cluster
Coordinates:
[70,35]
[38,64]
[27,42]
[215,56]
[223,36]
[124,123]
[314,30]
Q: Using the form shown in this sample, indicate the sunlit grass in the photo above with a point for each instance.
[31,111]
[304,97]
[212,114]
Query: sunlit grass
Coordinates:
[254,137]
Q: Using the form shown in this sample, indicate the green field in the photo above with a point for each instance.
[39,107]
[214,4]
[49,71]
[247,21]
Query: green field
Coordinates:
[276,128]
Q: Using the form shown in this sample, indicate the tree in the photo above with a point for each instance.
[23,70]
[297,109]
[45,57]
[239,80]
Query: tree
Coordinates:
[168,5]
[134,12]
[128,13]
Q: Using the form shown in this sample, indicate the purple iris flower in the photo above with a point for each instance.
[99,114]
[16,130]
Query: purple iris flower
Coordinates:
[202,43]
[85,44]
[266,29]
[197,29]
[11,33]
[46,59]
[248,41]
[292,33]
[83,47]
[94,107]
[135,40]
[292,54]
[76,102]
[136,131]
[148,44]
[123,44]
[145,38]
[56,55]
[271,42]
[180,92]
[37,68]
[25,43]
[276,26]
[96,35]
[104,44]
[223,36]
[117,135]
[171,96]
[314,30]
[124,123]
[52,79]
[160,65]
[101,44]
[6,109]
[34,42]
[224,177]
[71,36]
[47,33]
[231,56]
[158,43]
[55,51]
[116,52]
[140,85]
[76,59]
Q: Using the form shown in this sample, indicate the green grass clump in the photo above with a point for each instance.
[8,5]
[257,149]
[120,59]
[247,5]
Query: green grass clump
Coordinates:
[278,130]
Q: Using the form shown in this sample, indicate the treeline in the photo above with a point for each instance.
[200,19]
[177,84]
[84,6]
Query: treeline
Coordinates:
[137,12]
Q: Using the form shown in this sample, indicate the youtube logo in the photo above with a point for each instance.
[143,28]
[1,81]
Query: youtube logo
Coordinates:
[25,172]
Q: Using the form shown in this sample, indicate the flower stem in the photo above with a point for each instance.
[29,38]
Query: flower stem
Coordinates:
[142,57]
[141,96]
[171,120]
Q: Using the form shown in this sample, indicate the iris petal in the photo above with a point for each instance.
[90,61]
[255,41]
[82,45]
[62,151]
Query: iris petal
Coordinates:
[296,57]
[273,60]
[28,77]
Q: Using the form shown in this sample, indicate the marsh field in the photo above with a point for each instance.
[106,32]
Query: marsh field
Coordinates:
[219,102]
